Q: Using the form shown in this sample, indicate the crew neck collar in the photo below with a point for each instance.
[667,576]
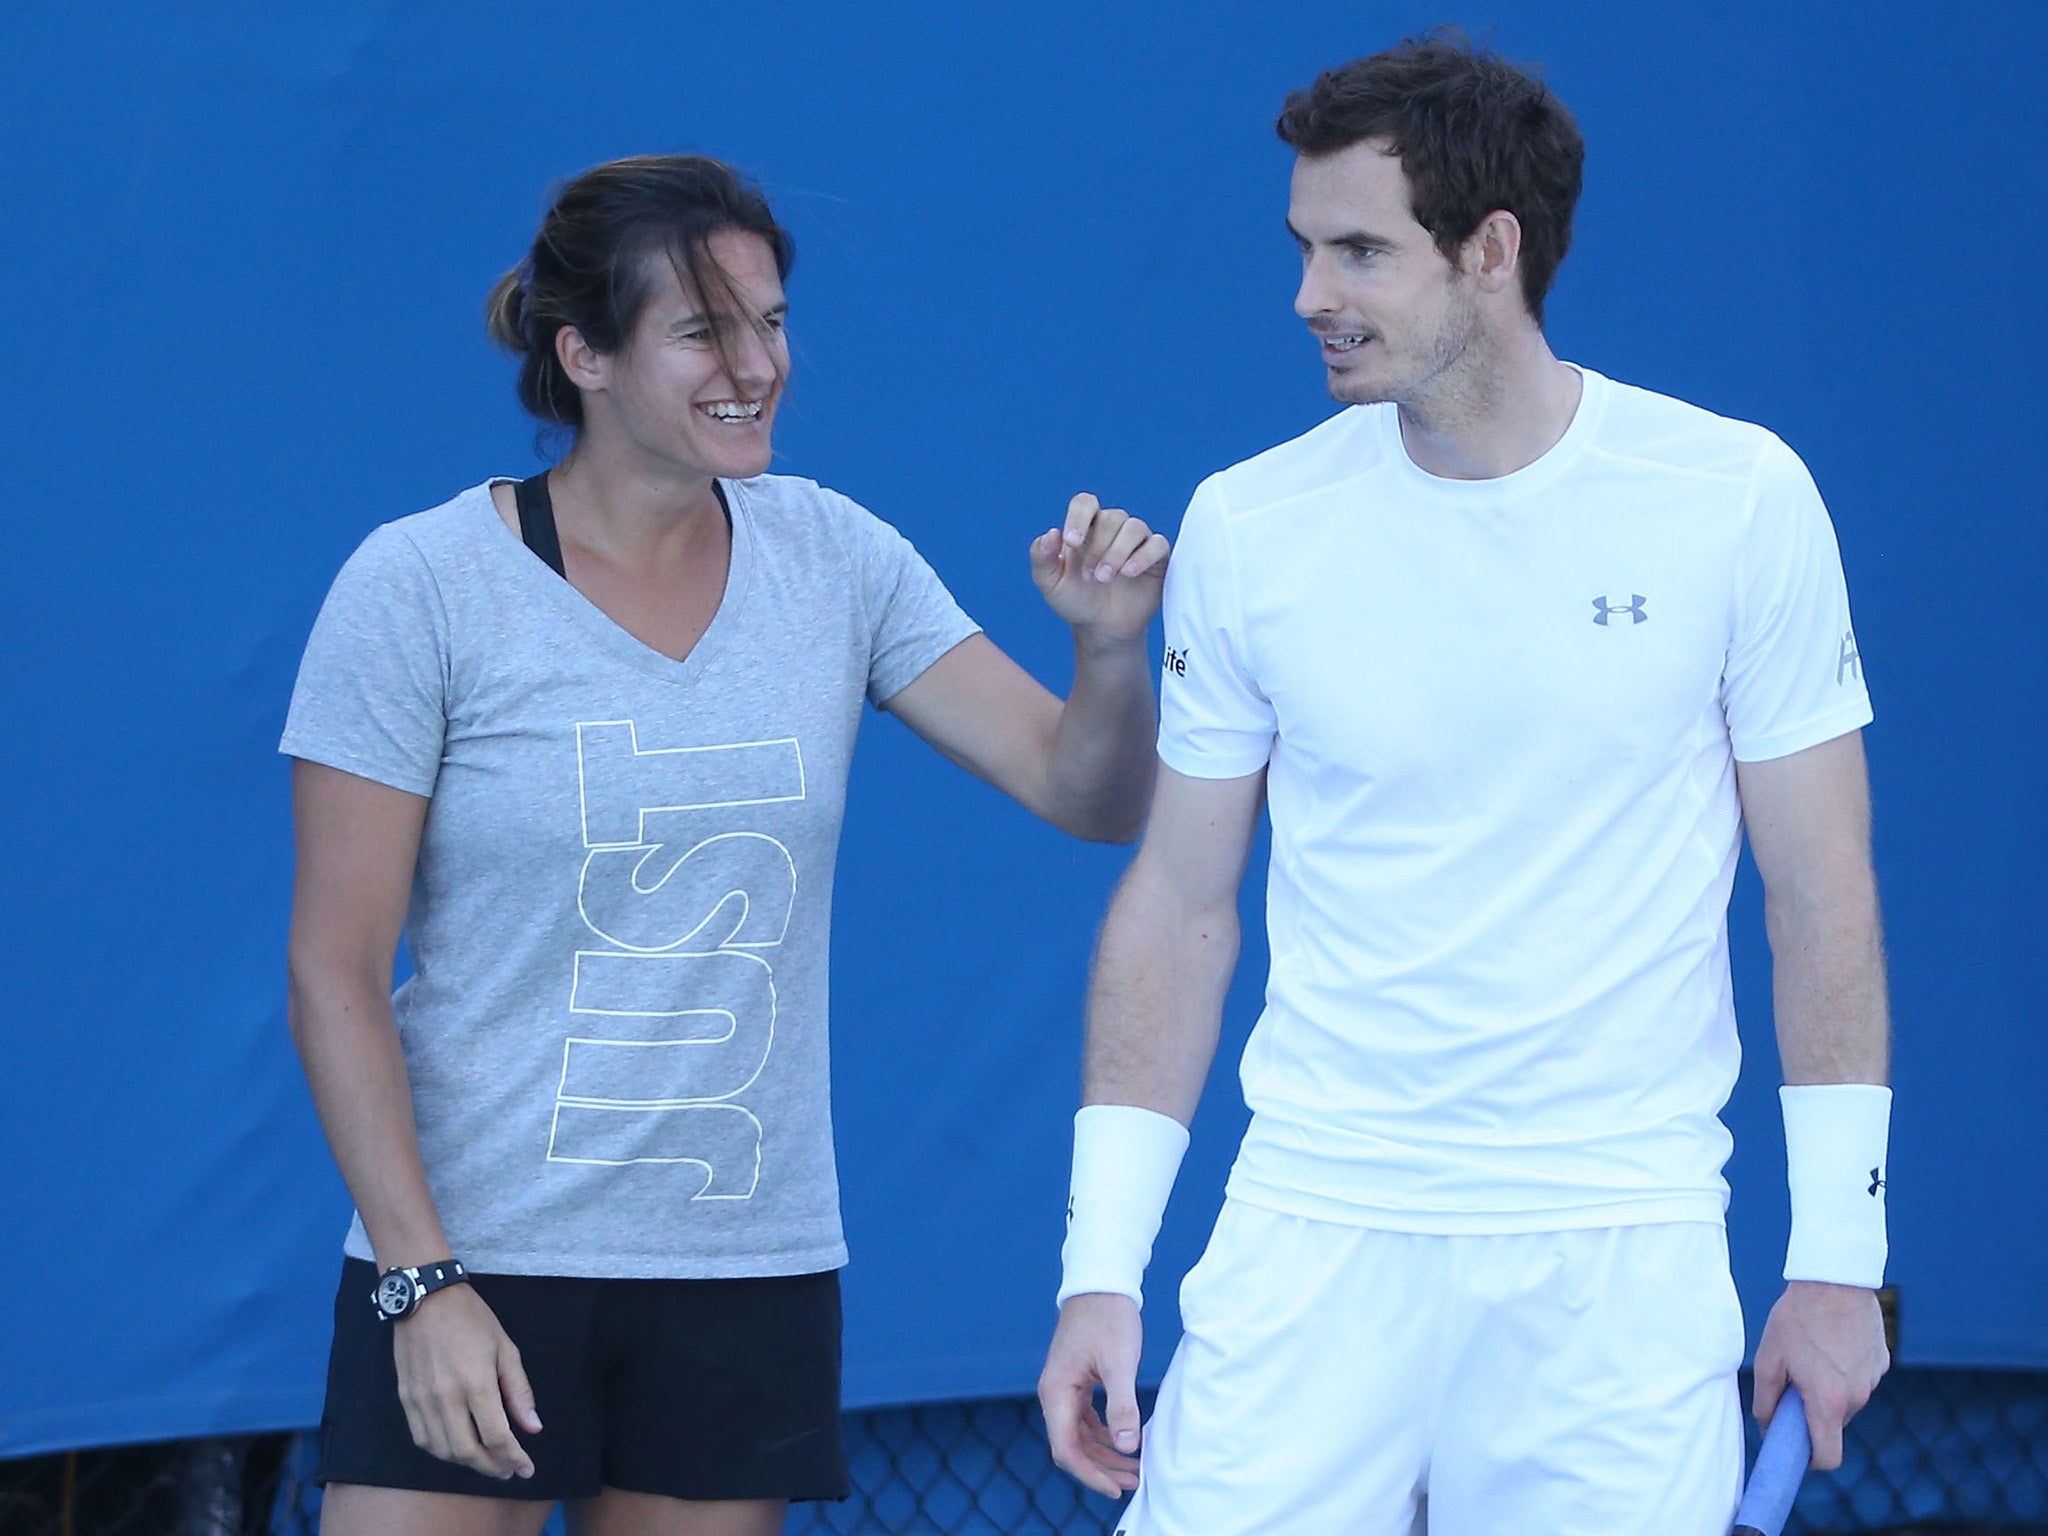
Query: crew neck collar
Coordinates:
[1538,472]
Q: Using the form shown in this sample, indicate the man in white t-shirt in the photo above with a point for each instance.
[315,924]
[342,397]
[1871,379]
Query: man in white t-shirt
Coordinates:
[1514,653]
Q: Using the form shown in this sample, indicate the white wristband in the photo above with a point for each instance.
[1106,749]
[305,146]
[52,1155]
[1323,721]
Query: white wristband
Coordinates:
[1835,1147]
[1125,1159]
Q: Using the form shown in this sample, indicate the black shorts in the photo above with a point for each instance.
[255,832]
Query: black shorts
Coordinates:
[696,1389]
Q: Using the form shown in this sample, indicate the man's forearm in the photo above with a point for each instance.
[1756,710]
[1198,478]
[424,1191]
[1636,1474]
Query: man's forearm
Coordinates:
[1808,819]
[1833,1041]
[1155,999]
[1154,1010]
[1828,983]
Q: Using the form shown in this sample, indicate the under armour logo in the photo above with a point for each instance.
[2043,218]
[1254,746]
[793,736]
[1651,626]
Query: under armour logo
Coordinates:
[1849,661]
[1603,610]
[1877,1181]
[1070,1210]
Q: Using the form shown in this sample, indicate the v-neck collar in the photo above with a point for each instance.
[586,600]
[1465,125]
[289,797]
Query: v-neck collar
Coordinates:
[531,576]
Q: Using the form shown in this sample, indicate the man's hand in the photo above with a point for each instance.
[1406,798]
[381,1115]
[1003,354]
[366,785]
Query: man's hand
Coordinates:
[1096,1343]
[458,1377]
[1827,1340]
[1103,571]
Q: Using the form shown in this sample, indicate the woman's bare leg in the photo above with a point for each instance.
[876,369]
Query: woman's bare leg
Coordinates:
[616,1512]
[354,1509]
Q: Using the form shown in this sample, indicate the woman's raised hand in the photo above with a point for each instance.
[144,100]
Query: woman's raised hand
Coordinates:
[1102,571]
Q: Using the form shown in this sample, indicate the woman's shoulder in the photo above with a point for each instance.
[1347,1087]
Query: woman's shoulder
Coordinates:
[419,559]
[793,509]
[454,524]
[438,539]
[795,495]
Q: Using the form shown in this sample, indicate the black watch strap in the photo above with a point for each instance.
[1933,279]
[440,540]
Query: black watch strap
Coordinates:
[400,1291]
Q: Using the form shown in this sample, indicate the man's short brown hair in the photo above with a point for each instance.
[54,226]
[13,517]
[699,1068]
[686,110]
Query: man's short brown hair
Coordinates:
[1473,132]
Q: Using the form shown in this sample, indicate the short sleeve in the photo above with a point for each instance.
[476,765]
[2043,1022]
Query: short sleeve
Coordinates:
[1214,722]
[1794,677]
[912,618]
[371,697]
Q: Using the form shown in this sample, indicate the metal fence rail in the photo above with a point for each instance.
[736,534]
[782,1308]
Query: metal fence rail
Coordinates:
[1937,1453]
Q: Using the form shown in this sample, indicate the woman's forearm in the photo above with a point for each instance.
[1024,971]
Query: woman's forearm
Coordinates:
[1100,775]
[348,1041]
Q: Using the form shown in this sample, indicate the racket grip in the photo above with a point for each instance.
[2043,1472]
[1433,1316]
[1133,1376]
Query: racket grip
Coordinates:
[1780,1465]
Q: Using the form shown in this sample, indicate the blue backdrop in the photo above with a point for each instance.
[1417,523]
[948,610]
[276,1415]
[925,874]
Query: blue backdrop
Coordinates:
[1041,250]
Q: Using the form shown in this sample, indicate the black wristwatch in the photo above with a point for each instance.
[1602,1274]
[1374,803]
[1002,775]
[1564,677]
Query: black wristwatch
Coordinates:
[400,1291]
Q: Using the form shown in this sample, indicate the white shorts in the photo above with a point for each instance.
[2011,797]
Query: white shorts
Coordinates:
[1345,1381]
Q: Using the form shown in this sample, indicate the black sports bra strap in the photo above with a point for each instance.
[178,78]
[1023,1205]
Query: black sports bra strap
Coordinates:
[537,521]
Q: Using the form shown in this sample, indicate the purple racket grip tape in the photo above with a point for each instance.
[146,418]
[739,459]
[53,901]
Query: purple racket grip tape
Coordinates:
[1780,1465]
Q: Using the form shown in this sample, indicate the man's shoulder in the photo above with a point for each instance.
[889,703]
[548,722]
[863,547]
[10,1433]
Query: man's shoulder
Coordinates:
[1659,429]
[1332,452]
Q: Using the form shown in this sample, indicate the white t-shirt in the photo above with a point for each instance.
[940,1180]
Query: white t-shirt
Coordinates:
[1500,720]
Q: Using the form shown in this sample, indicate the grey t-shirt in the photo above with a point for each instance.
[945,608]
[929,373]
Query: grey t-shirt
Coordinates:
[615,1032]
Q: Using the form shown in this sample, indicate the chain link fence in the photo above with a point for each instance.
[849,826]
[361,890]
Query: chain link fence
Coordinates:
[236,1487]
[1937,1453]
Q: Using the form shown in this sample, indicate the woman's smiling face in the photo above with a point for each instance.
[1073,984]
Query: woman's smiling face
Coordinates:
[696,385]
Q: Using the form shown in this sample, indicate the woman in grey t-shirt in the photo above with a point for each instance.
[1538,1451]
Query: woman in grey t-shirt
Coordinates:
[586,739]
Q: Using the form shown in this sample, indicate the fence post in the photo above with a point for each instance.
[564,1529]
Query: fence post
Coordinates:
[210,1488]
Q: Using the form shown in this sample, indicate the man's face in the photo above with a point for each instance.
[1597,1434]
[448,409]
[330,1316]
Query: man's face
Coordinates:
[1390,313]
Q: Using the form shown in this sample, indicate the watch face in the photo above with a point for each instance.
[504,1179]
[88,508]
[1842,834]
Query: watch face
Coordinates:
[394,1295]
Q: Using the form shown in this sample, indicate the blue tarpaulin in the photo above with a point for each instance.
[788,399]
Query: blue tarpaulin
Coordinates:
[1041,251]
